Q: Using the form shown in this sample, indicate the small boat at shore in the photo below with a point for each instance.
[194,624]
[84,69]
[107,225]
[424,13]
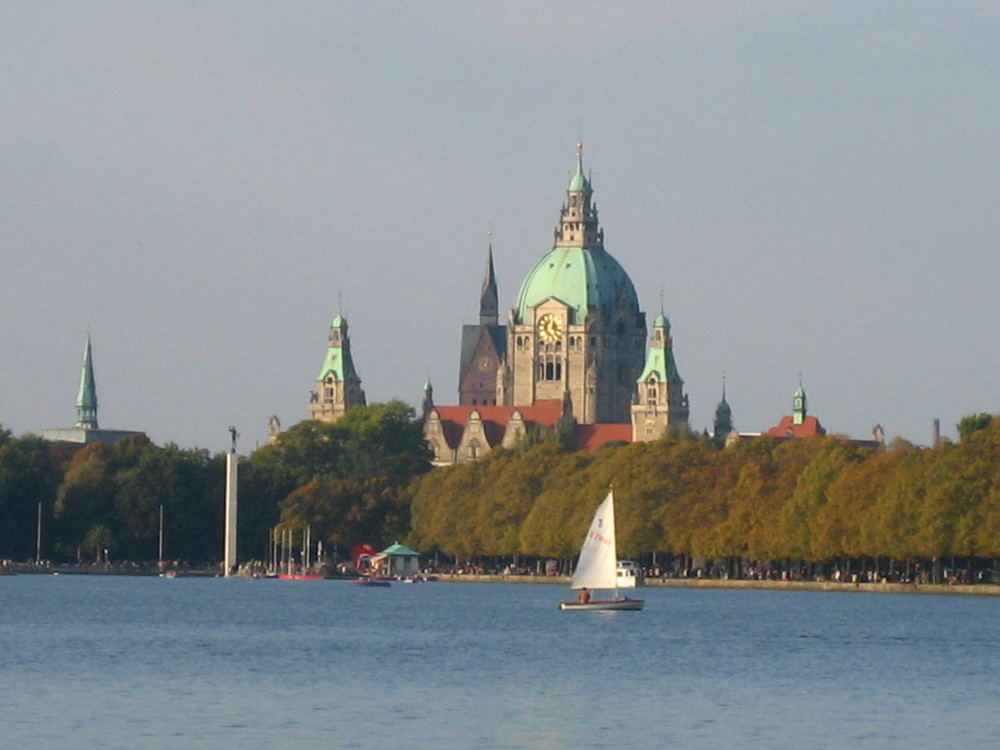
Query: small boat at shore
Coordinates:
[301,577]
[373,581]
[597,567]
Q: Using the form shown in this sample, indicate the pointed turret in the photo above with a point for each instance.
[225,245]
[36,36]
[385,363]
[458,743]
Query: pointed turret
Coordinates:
[428,402]
[723,424]
[799,406]
[489,304]
[338,385]
[483,346]
[661,400]
[86,399]
[578,224]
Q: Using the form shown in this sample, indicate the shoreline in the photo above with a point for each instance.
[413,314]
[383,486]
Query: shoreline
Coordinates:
[939,589]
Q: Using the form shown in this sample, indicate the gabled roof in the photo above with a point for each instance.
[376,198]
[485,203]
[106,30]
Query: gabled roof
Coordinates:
[787,428]
[544,412]
[472,335]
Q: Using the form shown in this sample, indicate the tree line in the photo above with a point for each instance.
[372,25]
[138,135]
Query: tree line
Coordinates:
[367,479]
[349,481]
[822,501]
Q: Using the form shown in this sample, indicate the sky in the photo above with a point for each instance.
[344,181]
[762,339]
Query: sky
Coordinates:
[200,187]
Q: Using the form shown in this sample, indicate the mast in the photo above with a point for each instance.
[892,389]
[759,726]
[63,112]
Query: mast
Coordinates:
[614,542]
[38,537]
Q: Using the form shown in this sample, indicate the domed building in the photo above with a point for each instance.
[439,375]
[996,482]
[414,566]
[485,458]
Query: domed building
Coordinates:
[577,328]
[572,355]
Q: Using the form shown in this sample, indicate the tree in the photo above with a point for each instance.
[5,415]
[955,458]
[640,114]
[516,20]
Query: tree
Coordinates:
[972,423]
[28,476]
[347,480]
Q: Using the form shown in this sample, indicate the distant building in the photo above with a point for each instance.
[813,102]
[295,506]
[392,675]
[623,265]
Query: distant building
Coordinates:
[484,346]
[87,430]
[799,423]
[572,357]
[338,385]
[723,424]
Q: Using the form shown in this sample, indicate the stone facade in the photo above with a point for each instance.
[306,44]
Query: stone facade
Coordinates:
[660,400]
[576,338]
[338,386]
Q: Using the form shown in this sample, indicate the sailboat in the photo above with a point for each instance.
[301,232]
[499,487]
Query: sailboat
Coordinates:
[597,567]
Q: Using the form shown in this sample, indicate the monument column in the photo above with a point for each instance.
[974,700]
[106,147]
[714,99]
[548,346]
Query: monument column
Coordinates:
[229,553]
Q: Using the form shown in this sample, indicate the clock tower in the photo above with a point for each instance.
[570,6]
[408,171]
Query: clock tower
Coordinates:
[577,330]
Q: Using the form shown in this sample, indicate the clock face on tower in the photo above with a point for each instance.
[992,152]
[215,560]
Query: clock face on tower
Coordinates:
[550,328]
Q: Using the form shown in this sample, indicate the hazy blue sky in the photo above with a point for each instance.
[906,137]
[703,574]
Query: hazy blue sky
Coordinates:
[812,185]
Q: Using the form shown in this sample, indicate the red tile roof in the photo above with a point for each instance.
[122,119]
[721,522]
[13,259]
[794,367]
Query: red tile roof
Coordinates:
[810,426]
[544,412]
[590,437]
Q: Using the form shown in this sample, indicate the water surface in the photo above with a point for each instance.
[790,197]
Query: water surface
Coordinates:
[117,662]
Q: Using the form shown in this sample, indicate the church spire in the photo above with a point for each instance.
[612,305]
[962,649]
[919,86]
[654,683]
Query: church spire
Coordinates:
[86,399]
[723,424]
[489,301]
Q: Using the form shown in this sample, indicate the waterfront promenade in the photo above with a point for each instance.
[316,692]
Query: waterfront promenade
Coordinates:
[979,589]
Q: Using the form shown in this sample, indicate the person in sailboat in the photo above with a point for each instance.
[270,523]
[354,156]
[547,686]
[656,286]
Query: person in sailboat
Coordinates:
[584,596]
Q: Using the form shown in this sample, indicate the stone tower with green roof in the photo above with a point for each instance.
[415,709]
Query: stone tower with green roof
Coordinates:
[660,400]
[577,329]
[86,431]
[338,386]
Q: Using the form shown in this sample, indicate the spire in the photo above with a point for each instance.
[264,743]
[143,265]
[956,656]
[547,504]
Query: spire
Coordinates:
[723,424]
[86,399]
[799,404]
[489,304]
[578,224]
[428,402]
[579,182]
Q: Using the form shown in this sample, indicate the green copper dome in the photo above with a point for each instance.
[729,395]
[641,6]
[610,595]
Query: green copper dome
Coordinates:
[578,271]
[583,278]
[579,182]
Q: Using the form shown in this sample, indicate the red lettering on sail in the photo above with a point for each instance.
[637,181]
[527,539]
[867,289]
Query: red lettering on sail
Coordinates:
[599,538]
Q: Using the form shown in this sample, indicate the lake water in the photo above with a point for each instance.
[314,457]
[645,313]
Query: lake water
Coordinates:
[117,662]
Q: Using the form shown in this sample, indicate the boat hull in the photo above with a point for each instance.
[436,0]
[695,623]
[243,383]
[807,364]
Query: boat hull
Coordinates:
[382,582]
[604,606]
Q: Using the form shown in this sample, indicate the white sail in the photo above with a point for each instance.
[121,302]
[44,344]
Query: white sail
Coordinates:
[597,566]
